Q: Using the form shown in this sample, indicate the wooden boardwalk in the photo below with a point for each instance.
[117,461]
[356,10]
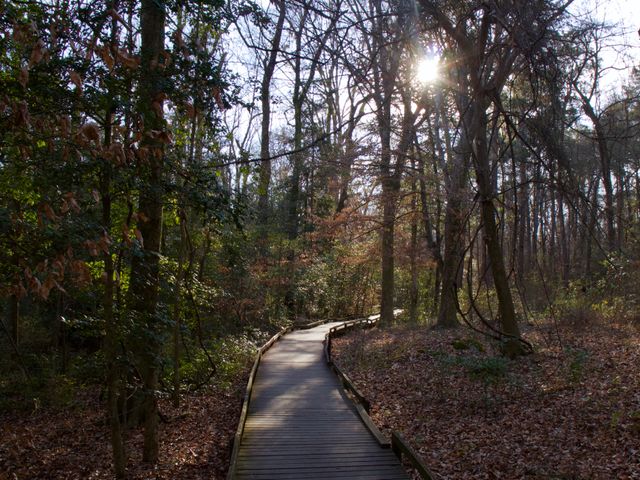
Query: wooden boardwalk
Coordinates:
[300,424]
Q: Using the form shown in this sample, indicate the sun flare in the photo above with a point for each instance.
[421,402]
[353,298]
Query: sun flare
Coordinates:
[428,70]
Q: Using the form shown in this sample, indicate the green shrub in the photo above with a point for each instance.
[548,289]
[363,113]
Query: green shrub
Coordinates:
[467,343]
[488,370]
[577,361]
[229,355]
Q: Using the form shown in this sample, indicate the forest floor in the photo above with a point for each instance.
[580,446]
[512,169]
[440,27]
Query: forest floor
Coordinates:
[73,442]
[569,411]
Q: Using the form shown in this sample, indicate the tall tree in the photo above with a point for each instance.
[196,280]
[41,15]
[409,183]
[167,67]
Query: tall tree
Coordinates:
[493,40]
[269,66]
[145,272]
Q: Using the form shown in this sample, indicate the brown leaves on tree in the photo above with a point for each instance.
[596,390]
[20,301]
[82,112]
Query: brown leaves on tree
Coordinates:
[52,276]
[76,80]
[132,63]
[161,136]
[48,212]
[81,272]
[64,125]
[69,203]
[157,105]
[100,246]
[104,52]
[23,77]
[21,115]
[217,96]
[18,289]
[190,110]
[37,54]
[116,153]
[91,132]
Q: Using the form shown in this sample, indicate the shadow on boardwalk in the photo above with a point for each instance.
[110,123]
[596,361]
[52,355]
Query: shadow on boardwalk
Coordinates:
[300,425]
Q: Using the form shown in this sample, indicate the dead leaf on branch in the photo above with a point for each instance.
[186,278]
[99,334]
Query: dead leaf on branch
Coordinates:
[104,243]
[49,284]
[69,203]
[118,154]
[21,114]
[131,63]
[92,247]
[76,80]
[64,123]
[49,213]
[91,132]
[23,77]
[178,39]
[217,95]
[105,54]
[37,53]
[162,136]
[34,284]
[190,110]
[18,290]
[81,272]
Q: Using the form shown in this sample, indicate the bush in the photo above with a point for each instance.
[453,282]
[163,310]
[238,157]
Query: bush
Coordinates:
[229,355]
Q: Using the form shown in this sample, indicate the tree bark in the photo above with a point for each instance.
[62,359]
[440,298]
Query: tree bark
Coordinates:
[605,169]
[265,97]
[413,251]
[111,340]
[111,329]
[454,222]
[482,165]
[144,286]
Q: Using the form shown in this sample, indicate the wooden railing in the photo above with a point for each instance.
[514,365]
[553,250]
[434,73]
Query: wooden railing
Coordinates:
[342,329]
[237,439]
[398,444]
[402,448]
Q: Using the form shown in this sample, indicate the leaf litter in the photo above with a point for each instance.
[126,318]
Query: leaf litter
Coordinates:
[73,443]
[569,411]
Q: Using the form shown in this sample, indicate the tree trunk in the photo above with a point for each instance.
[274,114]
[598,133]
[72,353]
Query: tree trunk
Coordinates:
[13,310]
[413,250]
[111,338]
[564,243]
[454,232]
[111,331]
[177,314]
[144,286]
[605,170]
[523,260]
[486,190]
[265,97]
[453,243]
[592,215]
[388,220]
[388,258]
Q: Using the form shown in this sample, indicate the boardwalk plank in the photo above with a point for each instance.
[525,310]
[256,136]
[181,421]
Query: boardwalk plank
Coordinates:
[301,425]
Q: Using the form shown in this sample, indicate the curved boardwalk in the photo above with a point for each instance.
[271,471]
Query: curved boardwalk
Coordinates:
[300,425]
